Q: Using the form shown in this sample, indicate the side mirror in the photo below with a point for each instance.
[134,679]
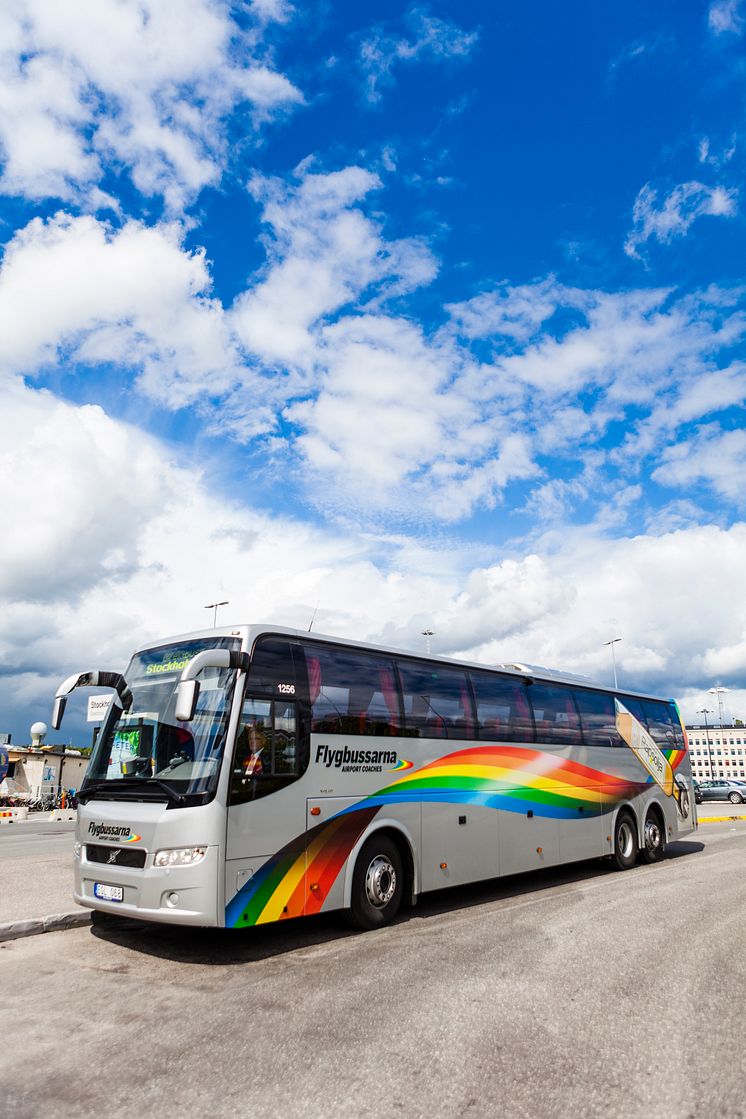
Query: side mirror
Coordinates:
[58,711]
[187,695]
[90,680]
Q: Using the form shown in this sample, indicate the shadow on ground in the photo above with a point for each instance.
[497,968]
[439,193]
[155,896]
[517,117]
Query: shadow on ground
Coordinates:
[226,947]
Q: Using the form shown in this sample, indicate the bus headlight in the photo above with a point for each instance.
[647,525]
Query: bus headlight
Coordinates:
[180,856]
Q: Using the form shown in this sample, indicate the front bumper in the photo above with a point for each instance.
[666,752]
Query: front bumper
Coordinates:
[177,895]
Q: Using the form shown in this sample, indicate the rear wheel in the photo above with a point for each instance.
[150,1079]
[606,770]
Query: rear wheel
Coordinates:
[735,798]
[654,846]
[377,883]
[625,842]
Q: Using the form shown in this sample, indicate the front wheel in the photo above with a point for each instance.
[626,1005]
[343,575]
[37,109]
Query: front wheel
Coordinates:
[625,842]
[735,798]
[654,847]
[377,883]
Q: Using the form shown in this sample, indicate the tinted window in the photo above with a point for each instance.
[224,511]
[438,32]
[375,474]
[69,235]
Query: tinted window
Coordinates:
[597,717]
[503,712]
[437,701]
[660,723]
[634,706]
[351,692]
[555,714]
[272,668]
[676,724]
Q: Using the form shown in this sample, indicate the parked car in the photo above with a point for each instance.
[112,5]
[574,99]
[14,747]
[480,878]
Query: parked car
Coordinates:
[721,789]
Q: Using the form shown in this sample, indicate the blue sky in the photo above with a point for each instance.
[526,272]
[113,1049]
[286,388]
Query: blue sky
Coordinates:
[429,314]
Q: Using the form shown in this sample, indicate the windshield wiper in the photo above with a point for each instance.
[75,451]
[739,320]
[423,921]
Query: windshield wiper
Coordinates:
[131,785]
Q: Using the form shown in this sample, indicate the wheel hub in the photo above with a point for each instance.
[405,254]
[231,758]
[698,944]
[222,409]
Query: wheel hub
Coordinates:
[652,835]
[380,882]
[626,838]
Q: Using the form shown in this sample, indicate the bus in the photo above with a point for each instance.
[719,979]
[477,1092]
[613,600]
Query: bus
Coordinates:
[250,774]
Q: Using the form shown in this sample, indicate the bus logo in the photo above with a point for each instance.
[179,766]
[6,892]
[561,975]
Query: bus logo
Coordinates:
[360,761]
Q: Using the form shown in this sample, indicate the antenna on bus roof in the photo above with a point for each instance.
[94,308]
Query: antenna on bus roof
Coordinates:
[313,616]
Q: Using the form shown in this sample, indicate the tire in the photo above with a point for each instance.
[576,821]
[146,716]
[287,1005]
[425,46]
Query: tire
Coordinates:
[377,883]
[735,798]
[654,835]
[625,841]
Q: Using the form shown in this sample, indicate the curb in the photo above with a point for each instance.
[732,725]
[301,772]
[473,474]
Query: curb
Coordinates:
[718,819]
[14,930]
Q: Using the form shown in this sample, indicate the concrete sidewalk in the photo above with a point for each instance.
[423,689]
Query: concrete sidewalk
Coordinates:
[36,891]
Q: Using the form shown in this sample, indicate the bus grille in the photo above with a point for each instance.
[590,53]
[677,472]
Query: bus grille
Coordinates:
[123,856]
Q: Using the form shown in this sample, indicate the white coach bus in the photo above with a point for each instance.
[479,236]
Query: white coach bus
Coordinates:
[249,774]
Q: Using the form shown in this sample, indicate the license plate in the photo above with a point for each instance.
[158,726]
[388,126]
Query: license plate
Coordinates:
[108,893]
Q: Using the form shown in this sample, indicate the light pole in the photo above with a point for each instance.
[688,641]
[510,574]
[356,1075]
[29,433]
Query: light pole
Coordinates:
[706,711]
[613,657]
[214,606]
[718,691]
[427,634]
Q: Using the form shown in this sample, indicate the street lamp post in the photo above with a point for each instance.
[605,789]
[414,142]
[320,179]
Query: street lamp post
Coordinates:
[718,691]
[214,606]
[427,634]
[706,711]
[612,643]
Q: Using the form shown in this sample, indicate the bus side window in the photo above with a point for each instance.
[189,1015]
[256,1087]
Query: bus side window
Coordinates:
[351,692]
[503,713]
[437,701]
[555,714]
[634,706]
[660,723]
[676,724]
[597,717]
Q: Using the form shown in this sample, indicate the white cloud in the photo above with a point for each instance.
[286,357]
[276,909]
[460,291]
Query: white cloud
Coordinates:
[323,253]
[116,542]
[391,427]
[369,414]
[693,397]
[725,16]
[508,311]
[676,213]
[278,11]
[132,296]
[384,418]
[712,158]
[136,83]
[713,456]
[430,39]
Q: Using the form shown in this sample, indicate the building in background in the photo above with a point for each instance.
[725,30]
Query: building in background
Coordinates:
[717,750]
[35,772]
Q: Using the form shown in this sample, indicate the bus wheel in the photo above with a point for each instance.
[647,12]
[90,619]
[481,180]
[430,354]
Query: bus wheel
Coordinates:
[654,846]
[625,842]
[377,883]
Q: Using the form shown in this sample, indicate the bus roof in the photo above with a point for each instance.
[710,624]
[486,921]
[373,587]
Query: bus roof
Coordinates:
[248,632]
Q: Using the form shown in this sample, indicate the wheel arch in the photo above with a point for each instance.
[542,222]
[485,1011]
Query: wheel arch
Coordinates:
[626,807]
[668,810]
[401,836]
[639,811]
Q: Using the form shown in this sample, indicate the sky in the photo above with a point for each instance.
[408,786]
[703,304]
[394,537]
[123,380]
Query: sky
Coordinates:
[391,317]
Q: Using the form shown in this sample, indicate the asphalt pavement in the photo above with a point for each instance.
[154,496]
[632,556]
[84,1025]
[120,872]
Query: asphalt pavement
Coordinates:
[575,993]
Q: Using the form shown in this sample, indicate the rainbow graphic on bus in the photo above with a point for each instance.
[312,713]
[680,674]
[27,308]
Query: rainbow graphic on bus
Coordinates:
[510,778]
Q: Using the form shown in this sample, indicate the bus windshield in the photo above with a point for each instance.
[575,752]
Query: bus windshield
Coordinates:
[146,747]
